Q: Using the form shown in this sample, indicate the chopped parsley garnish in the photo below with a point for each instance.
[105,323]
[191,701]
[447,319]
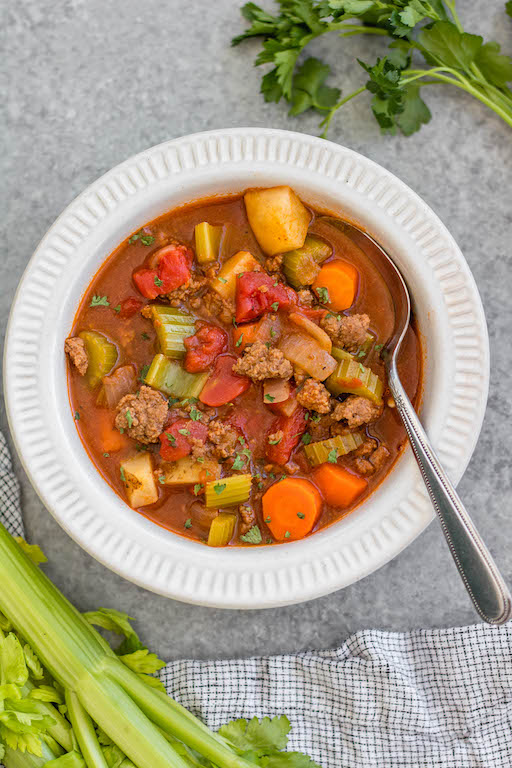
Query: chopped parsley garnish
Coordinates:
[172,401]
[157,281]
[268,519]
[77,416]
[188,523]
[197,488]
[253,536]
[195,415]
[301,515]
[240,339]
[144,238]
[287,535]
[378,347]
[171,438]
[276,441]
[267,344]
[239,462]
[306,438]
[121,430]
[200,459]
[184,431]
[106,455]
[141,448]
[145,336]
[234,322]
[272,476]
[219,487]
[123,476]
[129,419]
[161,479]
[273,333]
[260,486]
[222,280]
[270,398]
[275,306]
[118,308]
[99,301]
[323,294]
[242,440]
[314,417]
[333,456]
[361,353]
[143,373]
[362,368]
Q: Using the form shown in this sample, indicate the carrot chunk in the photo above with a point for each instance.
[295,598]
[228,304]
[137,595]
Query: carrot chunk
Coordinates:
[339,487]
[291,507]
[336,285]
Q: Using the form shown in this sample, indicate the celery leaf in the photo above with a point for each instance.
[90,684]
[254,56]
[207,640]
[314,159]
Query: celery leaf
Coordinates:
[142,661]
[263,737]
[34,665]
[34,552]
[118,622]
[12,661]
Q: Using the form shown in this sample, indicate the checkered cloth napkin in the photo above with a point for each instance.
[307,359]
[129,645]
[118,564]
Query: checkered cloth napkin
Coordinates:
[383,700]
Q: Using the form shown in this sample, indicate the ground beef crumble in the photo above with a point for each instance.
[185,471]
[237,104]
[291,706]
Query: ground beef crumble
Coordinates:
[260,362]
[218,307]
[357,411]
[306,297]
[247,518]
[314,396]
[224,439]
[148,413]
[375,460]
[347,331]
[74,347]
[187,290]
[274,263]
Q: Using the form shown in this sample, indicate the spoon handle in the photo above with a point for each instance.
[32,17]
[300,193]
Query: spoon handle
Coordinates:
[481,577]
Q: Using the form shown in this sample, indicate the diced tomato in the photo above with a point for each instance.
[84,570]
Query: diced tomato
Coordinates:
[169,269]
[129,307]
[257,292]
[175,441]
[204,347]
[313,314]
[223,386]
[292,427]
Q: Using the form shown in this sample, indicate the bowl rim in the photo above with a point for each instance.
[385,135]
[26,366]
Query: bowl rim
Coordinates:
[46,438]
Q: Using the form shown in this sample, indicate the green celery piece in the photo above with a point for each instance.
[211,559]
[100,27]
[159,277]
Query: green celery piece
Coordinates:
[340,354]
[70,760]
[170,378]
[228,491]
[301,265]
[351,377]
[172,326]
[207,239]
[362,353]
[221,530]
[102,355]
[318,453]
[131,713]
[14,758]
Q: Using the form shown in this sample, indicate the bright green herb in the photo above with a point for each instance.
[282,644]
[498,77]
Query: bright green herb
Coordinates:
[161,479]
[77,416]
[287,535]
[184,431]
[123,476]
[333,456]
[222,280]
[275,441]
[144,336]
[275,306]
[143,373]
[197,488]
[219,487]
[419,29]
[253,536]
[106,455]
[268,519]
[129,419]
[195,415]
[118,308]
[306,438]
[239,462]
[188,523]
[323,294]
[239,340]
[171,438]
[270,398]
[157,281]
[301,515]
[99,301]
[143,237]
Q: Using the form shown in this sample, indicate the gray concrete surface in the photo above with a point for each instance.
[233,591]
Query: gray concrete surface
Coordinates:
[86,83]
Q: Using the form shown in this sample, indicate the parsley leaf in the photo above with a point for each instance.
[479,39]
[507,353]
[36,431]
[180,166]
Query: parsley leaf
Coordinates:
[415,112]
[143,373]
[239,462]
[275,441]
[275,306]
[157,281]
[195,415]
[144,238]
[323,294]
[129,419]
[184,431]
[309,89]
[444,42]
[219,487]
[188,523]
[118,308]
[494,66]
[171,438]
[240,339]
[99,301]
[269,398]
[306,438]
[333,456]
[253,536]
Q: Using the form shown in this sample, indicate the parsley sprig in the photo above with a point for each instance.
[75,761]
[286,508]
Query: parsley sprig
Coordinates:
[420,30]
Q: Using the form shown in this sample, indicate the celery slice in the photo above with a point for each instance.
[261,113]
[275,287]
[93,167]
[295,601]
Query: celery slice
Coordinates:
[301,265]
[170,378]
[172,326]
[207,238]
[331,449]
[222,529]
[228,491]
[353,378]
[102,356]
[340,354]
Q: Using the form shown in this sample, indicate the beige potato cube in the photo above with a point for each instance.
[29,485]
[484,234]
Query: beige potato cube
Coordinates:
[189,471]
[225,282]
[138,480]
[278,219]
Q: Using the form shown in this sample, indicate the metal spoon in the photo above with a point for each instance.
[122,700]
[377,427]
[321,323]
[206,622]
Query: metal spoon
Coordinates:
[481,577]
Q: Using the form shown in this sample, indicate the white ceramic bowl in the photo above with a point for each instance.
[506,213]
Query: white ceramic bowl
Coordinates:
[447,306]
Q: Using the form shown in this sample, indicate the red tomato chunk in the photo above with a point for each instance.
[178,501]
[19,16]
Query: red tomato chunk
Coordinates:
[223,385]
[204,347]
[129,307]
[175,442]
[257,292]
[292,427]
[169,269]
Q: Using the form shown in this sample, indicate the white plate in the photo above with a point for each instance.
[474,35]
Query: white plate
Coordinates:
[447,305]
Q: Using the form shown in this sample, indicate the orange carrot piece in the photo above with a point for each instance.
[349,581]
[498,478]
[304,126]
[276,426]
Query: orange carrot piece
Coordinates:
[291,508]
[110,439]
[244,334]
[339,487]
[340,279]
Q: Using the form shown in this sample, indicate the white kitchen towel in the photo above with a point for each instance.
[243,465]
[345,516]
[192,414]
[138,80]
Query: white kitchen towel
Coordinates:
[418,699]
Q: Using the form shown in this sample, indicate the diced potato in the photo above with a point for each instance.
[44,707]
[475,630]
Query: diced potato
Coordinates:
[278,219]
[138,480]
[225,282]
[276,390]
[189,471]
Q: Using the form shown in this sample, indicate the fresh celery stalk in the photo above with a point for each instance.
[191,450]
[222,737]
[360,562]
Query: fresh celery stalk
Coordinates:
[70,760]
[331,449]
[221,530]
[351,377]
[170,378]
[301,265]
[207,238]
[340,354]
[172,326]
[102,355]
[228,491]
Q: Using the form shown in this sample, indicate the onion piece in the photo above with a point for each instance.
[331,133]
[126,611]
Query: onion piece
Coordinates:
[118,384]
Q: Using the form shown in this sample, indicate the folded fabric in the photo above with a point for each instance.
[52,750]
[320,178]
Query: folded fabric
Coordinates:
[409,700]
